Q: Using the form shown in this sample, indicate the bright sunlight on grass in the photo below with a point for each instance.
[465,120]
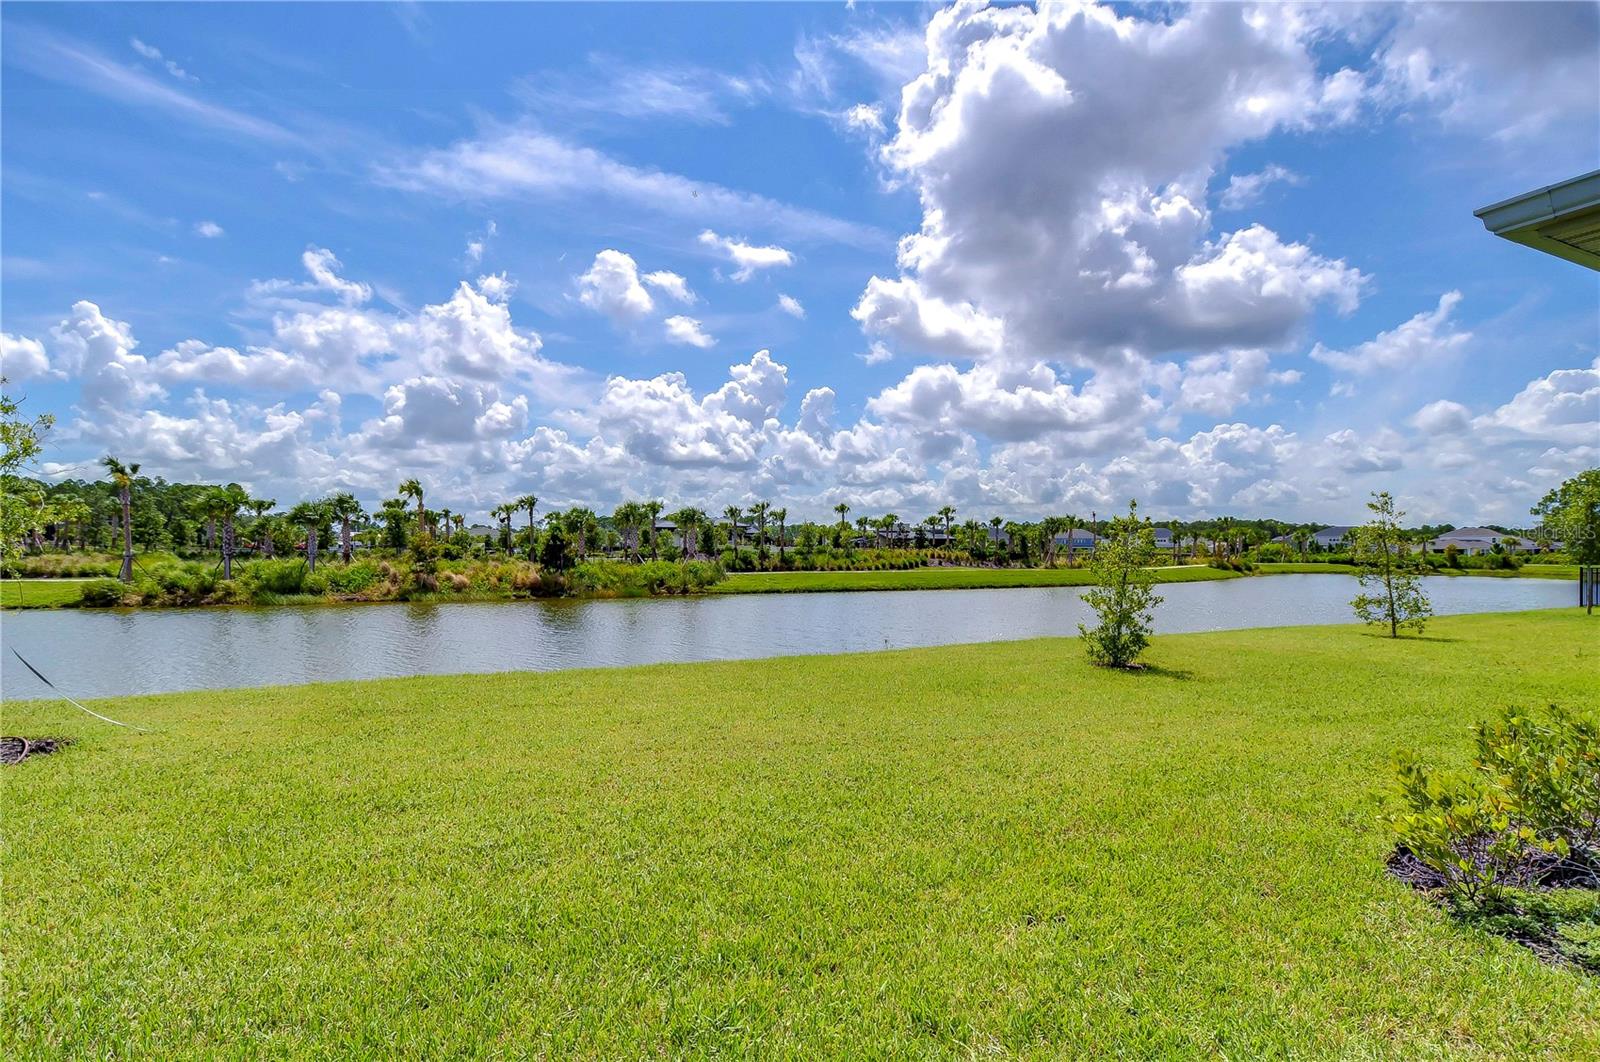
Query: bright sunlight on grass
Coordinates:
[39,593]
[983,849]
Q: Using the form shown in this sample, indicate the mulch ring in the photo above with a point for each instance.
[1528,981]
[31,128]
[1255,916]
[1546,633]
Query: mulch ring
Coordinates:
[17,749]
[1520,921]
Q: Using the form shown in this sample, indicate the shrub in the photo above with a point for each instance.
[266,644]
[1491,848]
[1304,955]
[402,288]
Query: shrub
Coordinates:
[1551,769]
[1529,804]
[613,579]
[526,578]
[1457,825]
[354,578]
[102,593]
[273,577]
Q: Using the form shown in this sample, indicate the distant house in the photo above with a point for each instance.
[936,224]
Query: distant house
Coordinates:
[1475,540]
[484,531]
[1076,539]
[1329,538]
[1163,537]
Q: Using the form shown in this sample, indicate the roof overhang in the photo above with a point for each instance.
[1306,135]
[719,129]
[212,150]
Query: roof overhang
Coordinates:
[1563,220]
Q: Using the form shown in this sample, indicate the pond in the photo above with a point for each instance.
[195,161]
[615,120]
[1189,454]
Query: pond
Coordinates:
[94,653]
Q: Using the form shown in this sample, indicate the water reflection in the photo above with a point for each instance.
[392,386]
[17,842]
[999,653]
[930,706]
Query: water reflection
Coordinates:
[103,654]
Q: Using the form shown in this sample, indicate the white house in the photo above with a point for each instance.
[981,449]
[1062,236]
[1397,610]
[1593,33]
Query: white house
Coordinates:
[1475,540]
[1163,537]
[1334,537]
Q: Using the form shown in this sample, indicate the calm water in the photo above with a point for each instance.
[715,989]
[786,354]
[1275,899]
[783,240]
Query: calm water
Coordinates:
[106,654]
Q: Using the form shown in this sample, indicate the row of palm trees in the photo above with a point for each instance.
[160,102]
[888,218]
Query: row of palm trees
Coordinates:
[637,524]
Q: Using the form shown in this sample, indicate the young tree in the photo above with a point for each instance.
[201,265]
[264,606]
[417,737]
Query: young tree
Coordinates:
[310,515]
[21,440]
[1572,513]
[223,504]
[1123,595]
[651,511]
[122,477]
[261,528]
[555,548]
[781,516]
[344,508]
[412,488]
[687,521]
[1391,583]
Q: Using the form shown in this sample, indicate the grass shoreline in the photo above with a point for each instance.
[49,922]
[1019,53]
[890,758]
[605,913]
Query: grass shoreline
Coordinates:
[63,592]
[990,848]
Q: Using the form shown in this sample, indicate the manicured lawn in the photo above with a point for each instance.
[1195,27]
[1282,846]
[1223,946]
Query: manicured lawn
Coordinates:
[39,593]
[936,579]
[1527,571]
[973,850]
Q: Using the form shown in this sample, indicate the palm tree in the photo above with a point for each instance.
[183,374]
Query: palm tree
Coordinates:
[734,515]
[841,509]
[72,511]
[758,513]
[780,515]
[688,522]
[261,507]
[122,477]
[652,509]
[623,518]
[311,515]
[887,524]
[412,488]
[948,513]
[528,502]
[503,515]
[224,503]
[1049,528]
[344,508]
[582,525]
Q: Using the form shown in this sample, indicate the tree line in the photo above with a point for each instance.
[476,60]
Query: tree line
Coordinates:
[127,510]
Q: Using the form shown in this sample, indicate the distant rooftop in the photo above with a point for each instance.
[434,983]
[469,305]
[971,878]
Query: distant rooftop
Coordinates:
[1561,219]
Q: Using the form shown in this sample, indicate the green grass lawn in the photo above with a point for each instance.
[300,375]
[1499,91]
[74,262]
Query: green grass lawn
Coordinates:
[39,593]
[1527,571]
[937,579]
[971,850]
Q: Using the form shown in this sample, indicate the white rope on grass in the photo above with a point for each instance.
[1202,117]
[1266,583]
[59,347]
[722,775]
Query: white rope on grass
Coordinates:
[69,700]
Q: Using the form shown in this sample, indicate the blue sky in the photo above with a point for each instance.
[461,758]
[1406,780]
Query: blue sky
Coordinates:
[1222,259]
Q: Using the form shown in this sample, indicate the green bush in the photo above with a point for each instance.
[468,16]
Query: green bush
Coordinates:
[1530,802]
[102,593]
[273,577]
[1551,769]
[354,578]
